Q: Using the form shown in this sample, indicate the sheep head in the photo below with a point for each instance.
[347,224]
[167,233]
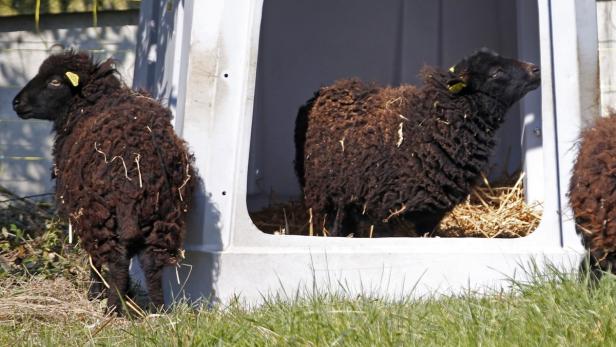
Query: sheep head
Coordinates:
[60,77]
[504,79]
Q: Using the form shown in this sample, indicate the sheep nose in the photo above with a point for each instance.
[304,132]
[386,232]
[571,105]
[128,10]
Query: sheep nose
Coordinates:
[533,69]
[16,102]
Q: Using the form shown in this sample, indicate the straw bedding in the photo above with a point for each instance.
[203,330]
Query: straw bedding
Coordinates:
[490,211]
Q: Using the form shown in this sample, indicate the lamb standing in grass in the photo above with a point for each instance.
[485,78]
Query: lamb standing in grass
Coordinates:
[366,155]
[123,178]
[592,193]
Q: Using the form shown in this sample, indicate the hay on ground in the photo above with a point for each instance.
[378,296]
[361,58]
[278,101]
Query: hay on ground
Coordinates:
[48,300]
[290,218]
[492,212]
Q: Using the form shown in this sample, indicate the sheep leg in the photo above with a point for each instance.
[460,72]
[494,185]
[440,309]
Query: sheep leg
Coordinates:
[590,268]
[152,269]
[337,228]
[595,265]
[96,289]
[118,281]
[425,222]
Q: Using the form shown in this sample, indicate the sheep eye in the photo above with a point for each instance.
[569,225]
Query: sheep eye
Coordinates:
[497,74]
[55,83]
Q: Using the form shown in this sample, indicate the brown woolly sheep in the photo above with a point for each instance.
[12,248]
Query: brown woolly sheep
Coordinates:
[366,154]
[123,178]
[592,193]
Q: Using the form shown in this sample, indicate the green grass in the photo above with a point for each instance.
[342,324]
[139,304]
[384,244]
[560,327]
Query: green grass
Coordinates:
[554,309]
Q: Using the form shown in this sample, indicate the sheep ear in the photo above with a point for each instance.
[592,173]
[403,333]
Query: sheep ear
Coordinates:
[73,78]
[455,85]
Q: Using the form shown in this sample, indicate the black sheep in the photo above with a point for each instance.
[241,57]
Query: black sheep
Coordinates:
[592,193]
[123,178]
[366,154]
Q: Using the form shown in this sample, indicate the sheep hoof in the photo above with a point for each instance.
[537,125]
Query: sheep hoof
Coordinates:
[96,291]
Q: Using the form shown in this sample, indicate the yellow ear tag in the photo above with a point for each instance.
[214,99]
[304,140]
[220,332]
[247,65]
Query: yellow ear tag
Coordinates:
[452,69]
[73,77]
[456,88]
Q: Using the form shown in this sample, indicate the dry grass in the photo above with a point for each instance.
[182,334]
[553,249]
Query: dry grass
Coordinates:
[489,211]
[42,277]
[47,300]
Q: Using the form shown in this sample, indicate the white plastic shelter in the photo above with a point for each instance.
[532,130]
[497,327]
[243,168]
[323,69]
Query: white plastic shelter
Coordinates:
[235,72]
